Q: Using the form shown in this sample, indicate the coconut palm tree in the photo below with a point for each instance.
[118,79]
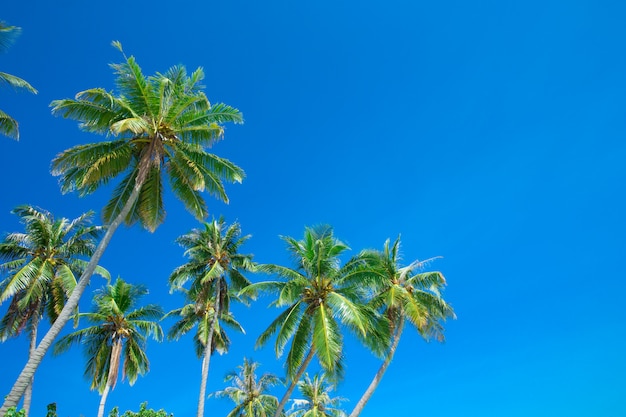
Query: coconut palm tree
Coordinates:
[42,265]
[319,295]
[215,270]
[403,294]
[161,125]
[117,338]
[8,125]
[317,401]
[249,393]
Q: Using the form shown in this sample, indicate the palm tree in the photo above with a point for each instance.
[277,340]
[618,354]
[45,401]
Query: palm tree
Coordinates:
[42,265]
[317,401]
[117,337]
[213,262]
[8,125]
[249,393]
[403,294]
[163,124]
[319,295]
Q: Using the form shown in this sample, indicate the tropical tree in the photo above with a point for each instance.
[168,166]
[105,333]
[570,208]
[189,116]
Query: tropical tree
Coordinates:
[42,264]
[8,125]
[117,338]
[249,393]
[319,295]
[162,125]
[215,269]
[403,294]
[317,401]
[143,412]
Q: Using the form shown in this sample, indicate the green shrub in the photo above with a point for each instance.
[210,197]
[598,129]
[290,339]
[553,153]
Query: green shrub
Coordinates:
[143,412]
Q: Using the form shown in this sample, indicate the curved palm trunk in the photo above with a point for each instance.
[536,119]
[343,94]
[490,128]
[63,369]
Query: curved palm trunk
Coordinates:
[293,383]
[35,359]
[207,356]
[381,371]
[28,394]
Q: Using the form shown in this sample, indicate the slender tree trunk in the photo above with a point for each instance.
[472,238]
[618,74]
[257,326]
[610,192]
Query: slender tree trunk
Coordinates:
[35,359]
[114,366]
[381,371]
[207,354]
[28,394]
[103,400]
[293,383]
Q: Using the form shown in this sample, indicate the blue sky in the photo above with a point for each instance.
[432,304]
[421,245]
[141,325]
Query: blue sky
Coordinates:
[489,133]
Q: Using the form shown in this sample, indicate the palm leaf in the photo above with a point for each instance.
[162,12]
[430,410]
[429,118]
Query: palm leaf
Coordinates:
[8,126]
[16,82]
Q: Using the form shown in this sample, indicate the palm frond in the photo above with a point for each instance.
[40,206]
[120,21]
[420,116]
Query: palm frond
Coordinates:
[8,126]
[16,82]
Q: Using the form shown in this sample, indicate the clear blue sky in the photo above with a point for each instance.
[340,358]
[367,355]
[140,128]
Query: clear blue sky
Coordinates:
[489,133]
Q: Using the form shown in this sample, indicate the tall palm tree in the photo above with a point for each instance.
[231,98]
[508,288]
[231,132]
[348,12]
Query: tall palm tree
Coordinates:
[404,294]
[249,393]
[215,270]
[42,265]
[8,125]
[317,401]
[117,338]
[162,124]
[319,295]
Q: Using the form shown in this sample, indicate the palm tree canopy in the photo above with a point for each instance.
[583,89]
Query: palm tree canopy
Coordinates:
[161,124]
[198,312]
[407,291]
[42,264]
[213,253]
[249,392]
[319,295]
[317,401]
[116,319]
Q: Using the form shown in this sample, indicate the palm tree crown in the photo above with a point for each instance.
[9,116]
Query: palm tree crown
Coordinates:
[249,392]
[406,292]
[316,293]
[117,337]
[162,124]
[317,401]
[42,264]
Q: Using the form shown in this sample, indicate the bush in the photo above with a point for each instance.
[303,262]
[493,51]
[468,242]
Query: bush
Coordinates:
[143,412]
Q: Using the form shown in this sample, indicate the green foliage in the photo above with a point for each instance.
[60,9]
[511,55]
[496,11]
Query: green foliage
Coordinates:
[249,392]
[8,125]
[52,410]
[42,264]
[13,412]
[143,412]
[162,125]
[317,401]
[119,331]
[320,295]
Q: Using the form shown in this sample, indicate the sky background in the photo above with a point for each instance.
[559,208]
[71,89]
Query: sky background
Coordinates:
[489,133]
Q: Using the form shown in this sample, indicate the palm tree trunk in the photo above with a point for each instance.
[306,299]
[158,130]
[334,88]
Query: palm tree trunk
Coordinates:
[381,371]
[207,355]
[103,400]
[28,394]
[114,366]
[293,383]
[35,359]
